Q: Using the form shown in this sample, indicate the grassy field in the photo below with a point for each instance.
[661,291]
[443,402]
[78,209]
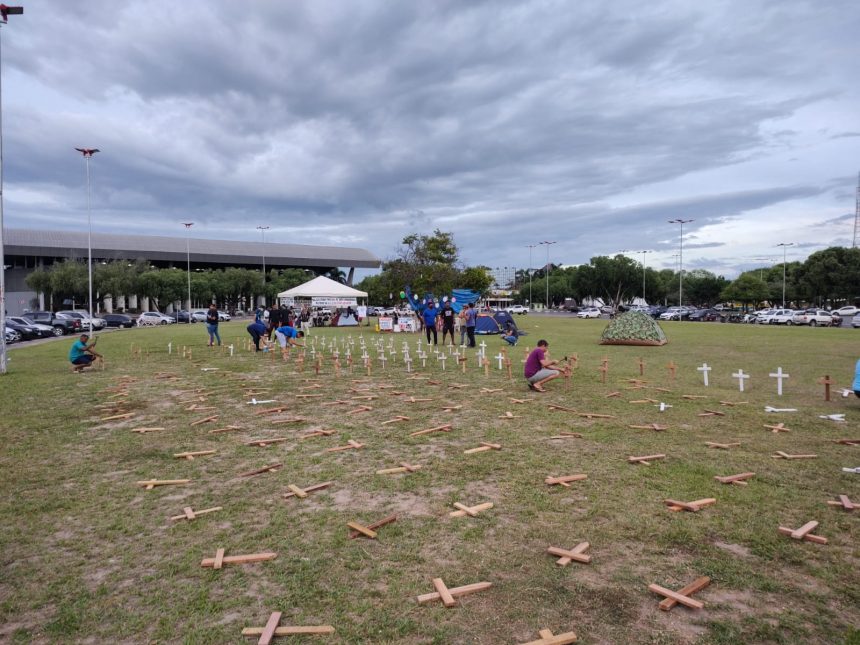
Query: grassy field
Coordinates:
[90,557]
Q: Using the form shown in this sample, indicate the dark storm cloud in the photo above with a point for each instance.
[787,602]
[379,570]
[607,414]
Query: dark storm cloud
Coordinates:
[361,122]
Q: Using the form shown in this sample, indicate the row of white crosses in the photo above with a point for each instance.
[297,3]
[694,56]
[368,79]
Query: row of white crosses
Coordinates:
[779,375]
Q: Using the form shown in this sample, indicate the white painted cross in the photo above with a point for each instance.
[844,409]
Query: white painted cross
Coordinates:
[740,376]
[483,347]
[382,360]
[419,343]
[704,369]
[408,362]
[500,358]
[231,350]
[170,347]
[663,406]
[443,357]
[778,375]
[423,358]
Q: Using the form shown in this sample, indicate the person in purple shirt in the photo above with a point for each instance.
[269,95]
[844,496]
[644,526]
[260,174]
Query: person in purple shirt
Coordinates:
[538,369]
[429,317]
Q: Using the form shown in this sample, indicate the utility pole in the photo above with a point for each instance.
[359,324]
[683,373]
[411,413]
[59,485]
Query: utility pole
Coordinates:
[188,226]
[681,258]
[546,272]
[784,246]
[4,12]
[263,230]
[88,155]
[530,247]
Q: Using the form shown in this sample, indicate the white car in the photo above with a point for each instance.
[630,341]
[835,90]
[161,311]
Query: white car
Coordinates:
[148,318]
[84,317]
[517,309]
[198,315]
[672,313]
[222,316]
[855,321]
[813,318]
[589,312]
[781,317]
[848,311]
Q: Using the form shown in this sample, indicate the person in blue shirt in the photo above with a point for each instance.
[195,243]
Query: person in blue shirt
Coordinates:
[82,354]
[429,316]
[856,385]
[287,335]
[257,330]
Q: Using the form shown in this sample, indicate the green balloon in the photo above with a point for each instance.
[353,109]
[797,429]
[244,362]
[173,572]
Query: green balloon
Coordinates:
[402,294]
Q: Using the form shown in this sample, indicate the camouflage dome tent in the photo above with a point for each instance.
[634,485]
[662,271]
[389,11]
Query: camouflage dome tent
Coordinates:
[633,328]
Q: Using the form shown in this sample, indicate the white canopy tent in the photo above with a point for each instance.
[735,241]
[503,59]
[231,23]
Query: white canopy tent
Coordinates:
[321,289]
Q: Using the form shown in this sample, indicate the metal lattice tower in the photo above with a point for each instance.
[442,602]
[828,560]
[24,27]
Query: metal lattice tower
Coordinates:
[856,213]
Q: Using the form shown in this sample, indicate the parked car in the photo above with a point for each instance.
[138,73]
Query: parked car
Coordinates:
[223,316]
[44,330]
[27,332]
[763,317]
[182,316]
[588,312]
[855,321]
[705,315]
[848,311]
[675,313]
[153,318]
[837,319]
[62,325]
[781,317]
[84,317]
[33,329]
[812,317]
[380,311]
[198,315]
[12,336]
[517,309]
[118,320]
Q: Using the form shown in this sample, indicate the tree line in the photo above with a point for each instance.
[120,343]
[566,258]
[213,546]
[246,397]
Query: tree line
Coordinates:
[230,288]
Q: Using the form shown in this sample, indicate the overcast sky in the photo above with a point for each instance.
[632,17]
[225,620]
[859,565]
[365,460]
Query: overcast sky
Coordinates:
[589,123]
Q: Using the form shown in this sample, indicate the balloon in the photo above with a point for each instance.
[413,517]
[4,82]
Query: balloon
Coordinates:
[444,298]
[416,296]
[402,294]
[453,299]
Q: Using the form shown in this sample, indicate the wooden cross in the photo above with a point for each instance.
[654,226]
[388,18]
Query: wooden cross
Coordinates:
[301,493]
[191,455]
[471,511]
[731,404]
[508,367]
[848,442]
[404,467]
[721,446]
[738,480]
[352,444]
[491,390]
[779,376]
[262,443]
[567,435]
[189,514]
[397,419]
[206,420]
[704,369]
[844,503]
[612,395]
[127,415]
[145,430]
[547,638]
[565,556]
[671,367]
[220,559]
[484,447]
[564,480]
[509,415]
[365,531]
[149,484]
[553,406]
[741,377]
[594,415]
[782,455]
[804,533]
[518,401]
[355,533]
[275,410]
[272,629]
[693,396]
[645,459]
[712,413]
[443,428]
[265,469]
[644,401]
[449,596]
[603,369]
[691,507]
[779,427]
[317,433]
[451,408]
[279,422]
[682,596]
[641,367]
[826,382]
[360,409]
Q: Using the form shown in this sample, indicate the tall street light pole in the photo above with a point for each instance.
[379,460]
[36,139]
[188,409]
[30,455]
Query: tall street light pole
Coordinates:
[761,269]
[546,273]
[188,226]
[784,246]
[681,258]
[4,11]
[88,155]
[263,230]
[643,274]
[530,247]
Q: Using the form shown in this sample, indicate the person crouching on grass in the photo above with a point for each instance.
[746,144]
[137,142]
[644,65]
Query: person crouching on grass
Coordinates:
[287,336]
[82,353]
[538,369]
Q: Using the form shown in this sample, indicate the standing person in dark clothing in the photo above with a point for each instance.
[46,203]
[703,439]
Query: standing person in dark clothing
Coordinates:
[257,330]
[471,321]
[212,320]
[448,317]
[274,320]
[429,317]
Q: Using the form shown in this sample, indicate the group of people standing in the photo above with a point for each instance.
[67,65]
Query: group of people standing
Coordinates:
[445,318]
